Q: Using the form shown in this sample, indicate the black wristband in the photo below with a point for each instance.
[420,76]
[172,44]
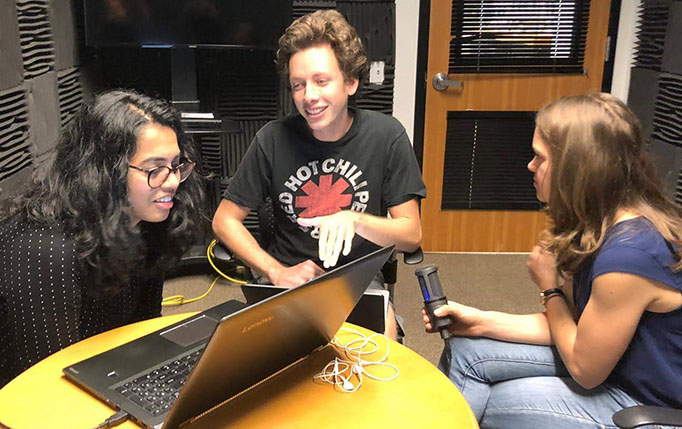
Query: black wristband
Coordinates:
[546,294]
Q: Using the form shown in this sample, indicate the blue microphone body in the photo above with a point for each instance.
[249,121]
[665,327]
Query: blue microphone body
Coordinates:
[429,283]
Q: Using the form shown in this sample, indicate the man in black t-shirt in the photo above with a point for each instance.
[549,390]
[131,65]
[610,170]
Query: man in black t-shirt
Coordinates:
[333,172]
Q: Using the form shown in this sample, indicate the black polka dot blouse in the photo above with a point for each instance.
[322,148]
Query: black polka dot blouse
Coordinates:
[44,306]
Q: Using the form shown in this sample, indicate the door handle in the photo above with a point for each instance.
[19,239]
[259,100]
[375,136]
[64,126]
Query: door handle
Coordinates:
[441,82]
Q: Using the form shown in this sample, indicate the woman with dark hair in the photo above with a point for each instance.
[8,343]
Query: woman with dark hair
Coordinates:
[610,276]
[85,249]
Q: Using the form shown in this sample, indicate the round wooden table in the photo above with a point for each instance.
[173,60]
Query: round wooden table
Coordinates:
[420,396]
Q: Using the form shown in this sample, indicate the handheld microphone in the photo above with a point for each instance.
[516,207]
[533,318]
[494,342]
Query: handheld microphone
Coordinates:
[429,282]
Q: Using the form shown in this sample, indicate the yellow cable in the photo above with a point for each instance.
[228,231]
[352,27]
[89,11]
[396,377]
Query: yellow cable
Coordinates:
[176,300]
[209,254]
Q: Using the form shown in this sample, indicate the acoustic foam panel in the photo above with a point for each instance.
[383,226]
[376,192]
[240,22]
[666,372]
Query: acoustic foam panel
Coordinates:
[70,93]
[667,122]
[375,24]
[35,34]
[15,184]
[63,31]
[304,7]
[672,60]
[668,161]
[651,29]
[11,72]
[43,105]
[15,147]
[642,96]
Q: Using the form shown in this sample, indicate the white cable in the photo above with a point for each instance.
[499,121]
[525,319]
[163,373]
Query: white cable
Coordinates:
[339,372]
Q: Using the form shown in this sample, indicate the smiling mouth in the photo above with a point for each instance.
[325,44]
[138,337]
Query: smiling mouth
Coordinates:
[316,111]
[164,200]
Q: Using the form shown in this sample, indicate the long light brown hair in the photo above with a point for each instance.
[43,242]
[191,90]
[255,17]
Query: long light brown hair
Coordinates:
[599,165]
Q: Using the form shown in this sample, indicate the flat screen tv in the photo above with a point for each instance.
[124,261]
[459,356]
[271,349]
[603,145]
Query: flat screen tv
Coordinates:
[166,23]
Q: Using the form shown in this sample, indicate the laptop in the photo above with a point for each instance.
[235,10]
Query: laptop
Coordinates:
[172,376]
[369,312]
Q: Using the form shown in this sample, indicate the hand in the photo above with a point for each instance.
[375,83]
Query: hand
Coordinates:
[336,234]
[542,268]
[296,275]
[466,321]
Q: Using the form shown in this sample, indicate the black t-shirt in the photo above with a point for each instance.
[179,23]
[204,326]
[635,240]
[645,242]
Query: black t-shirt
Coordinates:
[44,305]
[369,170]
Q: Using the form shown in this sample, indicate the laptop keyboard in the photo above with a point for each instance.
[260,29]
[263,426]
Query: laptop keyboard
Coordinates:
[157,389]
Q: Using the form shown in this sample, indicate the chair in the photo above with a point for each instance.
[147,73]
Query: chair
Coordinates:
[641,415]
[390,268]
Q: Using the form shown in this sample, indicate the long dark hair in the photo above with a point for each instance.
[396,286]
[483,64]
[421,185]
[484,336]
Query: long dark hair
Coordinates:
[599,165]
[83,190]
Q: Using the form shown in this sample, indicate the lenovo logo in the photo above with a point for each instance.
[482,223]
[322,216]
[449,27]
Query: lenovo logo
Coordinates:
[257,324]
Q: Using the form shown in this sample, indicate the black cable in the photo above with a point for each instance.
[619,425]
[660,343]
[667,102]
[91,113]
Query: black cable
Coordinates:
[114,420]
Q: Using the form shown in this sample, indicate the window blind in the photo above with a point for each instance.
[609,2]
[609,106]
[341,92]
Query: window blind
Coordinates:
[504,36]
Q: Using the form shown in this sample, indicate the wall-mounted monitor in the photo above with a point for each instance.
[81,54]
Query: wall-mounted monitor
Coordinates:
[166,23]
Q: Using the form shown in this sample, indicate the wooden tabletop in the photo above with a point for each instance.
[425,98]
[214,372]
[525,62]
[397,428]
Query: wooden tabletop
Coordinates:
[420,396]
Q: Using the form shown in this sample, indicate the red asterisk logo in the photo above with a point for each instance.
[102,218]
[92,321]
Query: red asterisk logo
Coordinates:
[324,199]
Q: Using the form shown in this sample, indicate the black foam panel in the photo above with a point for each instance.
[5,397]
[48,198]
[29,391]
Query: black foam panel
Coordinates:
[672,58]
[304,7]
[37,47]
[62,22]
[642,96]
[17,182]
[651,29]
[678,191]
[375,24]
[236,144]
[43,106]
[15,148]
[668,161]
[70,94]
[378,97]
[667,122]
[11,69]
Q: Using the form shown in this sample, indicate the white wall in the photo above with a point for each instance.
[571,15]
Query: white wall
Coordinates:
[625,46]
[407,28]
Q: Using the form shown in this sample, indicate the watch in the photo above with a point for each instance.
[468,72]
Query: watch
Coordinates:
[548,293]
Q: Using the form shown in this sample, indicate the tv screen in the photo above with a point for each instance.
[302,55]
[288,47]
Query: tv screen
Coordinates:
[229,23]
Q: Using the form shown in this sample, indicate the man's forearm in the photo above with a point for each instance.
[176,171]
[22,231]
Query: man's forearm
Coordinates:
[242,243]
[404,233]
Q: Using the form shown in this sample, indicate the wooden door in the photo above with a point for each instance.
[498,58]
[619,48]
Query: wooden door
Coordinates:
[491,230]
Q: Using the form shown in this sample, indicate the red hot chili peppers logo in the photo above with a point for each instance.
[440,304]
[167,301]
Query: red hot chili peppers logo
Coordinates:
[322,188]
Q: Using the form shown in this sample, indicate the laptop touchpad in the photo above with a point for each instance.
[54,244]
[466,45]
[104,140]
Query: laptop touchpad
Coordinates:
[190,332]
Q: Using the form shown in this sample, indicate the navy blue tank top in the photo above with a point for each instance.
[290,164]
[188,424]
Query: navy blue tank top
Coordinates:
[650,370]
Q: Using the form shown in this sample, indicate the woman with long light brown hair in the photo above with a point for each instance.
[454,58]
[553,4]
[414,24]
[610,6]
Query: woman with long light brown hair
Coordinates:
[610,274]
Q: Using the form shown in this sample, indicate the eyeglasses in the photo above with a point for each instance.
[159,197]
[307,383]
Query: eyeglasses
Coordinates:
[157,176]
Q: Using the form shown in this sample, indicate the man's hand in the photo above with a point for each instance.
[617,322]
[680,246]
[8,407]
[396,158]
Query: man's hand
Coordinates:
[296,275]
[336,234]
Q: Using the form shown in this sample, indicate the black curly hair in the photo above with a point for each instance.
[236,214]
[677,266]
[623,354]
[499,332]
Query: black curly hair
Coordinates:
[83,190]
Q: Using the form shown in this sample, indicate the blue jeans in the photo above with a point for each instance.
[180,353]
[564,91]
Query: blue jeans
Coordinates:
[511,385]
